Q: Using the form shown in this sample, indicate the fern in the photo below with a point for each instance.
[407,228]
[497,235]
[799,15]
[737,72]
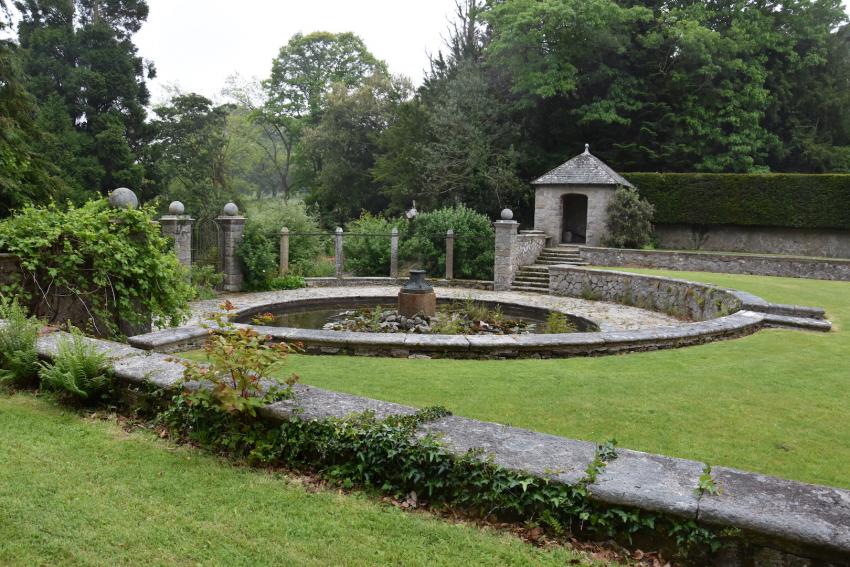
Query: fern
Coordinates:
[18,333]
[78,370]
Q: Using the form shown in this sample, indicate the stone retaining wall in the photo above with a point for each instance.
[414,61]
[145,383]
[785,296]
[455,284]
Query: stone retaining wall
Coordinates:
[721,262]
[687,300]
[773,522]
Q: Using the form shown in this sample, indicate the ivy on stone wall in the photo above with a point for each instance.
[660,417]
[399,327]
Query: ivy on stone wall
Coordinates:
[778,200]
[103,268]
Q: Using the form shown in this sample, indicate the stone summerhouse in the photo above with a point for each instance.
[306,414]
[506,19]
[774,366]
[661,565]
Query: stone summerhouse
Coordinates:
[571,201]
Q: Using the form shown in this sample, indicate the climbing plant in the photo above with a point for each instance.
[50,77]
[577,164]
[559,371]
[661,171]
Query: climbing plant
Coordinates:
[105,268]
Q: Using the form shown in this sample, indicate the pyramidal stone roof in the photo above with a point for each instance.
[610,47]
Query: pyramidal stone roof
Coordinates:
[584,169]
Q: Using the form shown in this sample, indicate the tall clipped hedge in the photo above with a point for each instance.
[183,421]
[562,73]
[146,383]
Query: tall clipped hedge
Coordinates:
[777,199]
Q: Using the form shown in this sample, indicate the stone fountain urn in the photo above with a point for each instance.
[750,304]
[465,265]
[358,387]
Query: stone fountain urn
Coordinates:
[417,297]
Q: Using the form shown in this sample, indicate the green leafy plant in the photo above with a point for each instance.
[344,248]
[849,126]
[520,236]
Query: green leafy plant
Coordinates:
[320,267]
[367,244]
[629,219]
[205,280]
[289,281]
[112,266]
[474,245]
[259,256]
[557,322]
[237,379]
[18,334]
[79,372]
[706,483]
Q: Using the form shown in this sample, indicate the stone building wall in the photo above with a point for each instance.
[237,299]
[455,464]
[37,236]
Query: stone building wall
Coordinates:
[687,300]
[784,266]
[831,243]
[549,210]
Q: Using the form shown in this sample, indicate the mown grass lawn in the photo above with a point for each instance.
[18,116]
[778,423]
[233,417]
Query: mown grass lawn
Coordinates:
[75,491]
[777,402]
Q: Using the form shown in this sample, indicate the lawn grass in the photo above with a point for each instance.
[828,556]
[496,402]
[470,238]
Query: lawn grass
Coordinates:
[76,491]
[777,402]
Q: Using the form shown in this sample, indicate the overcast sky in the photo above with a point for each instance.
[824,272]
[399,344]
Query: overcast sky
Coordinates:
[197,44]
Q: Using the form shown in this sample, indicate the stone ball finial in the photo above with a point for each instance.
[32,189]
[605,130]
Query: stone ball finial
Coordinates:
[587,148]
[176,208]
[230,210]
[507,214]
[123,198]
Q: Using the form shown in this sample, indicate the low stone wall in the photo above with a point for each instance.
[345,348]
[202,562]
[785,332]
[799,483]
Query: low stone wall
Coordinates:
[769,521]
[687,300]
[721,262]
[832,243]
[56,306]
[527,247]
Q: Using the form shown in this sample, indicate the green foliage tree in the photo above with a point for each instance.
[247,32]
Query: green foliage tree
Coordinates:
[190,151]
[308,66]
[80,54]
[25,176]
[679,85]
[340,151]
[629,219]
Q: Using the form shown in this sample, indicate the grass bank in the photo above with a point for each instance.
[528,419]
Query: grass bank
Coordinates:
[77,491]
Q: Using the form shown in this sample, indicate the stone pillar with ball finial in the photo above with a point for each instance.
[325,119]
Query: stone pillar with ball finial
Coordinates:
[503,264]
[231,231]
[178,226]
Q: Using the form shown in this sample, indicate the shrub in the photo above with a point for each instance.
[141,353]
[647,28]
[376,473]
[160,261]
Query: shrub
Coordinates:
[369,255]
[474,245]
[79,371]
[240,361]
[629,220]
[273,214]
[205,280]
[260,248]
[114,265]
[321,267]
[781,199]
[18,357]
[259,257]
[289,281]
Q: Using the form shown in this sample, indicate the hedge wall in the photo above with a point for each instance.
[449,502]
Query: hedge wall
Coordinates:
[777,199]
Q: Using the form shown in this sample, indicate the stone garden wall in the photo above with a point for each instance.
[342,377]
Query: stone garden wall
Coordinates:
[527,247]
[687,300]
[786,266]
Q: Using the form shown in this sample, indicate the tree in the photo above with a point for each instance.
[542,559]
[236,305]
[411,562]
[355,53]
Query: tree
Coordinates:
[340,150]
[190,149]
[308,66]
[276,133]
[25,176]
[455,142]
[80,55]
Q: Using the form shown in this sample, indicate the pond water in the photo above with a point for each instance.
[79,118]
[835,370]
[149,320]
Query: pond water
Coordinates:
[330,314]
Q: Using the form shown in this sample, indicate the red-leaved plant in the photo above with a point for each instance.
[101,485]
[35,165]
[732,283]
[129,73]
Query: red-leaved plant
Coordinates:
[237,377]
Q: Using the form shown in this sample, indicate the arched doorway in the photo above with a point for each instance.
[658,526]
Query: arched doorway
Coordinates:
[574,223]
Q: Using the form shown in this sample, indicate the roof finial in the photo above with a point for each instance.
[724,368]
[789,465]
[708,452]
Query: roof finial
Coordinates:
[587,148]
